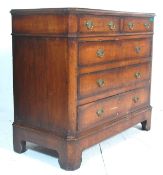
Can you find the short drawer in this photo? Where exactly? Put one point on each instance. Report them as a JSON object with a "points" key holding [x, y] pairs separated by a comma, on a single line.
{"points": [[101, 52], [112, 108], [91, 24], [132, 24], [95, 83]]}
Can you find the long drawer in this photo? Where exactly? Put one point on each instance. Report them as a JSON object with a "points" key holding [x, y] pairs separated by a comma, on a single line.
{"points": [[99, 82], [91, 53], [112, 108]]}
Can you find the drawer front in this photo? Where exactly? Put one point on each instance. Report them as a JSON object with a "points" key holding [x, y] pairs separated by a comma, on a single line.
{"points": [[100, 52], [91, 24], [99, 82], [138, 24], [112, 108]]}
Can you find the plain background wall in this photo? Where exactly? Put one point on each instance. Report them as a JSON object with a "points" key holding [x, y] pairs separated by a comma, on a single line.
{"points": [[6, 95]]}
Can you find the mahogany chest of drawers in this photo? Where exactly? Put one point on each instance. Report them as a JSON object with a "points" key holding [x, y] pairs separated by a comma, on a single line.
{"points": [[80, 76]]}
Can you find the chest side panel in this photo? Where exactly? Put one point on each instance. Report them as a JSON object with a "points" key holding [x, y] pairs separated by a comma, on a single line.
{"points": [[40, 82]]}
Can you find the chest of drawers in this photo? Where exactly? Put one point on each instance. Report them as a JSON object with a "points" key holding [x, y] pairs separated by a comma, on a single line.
{"points": [[80, 76]]}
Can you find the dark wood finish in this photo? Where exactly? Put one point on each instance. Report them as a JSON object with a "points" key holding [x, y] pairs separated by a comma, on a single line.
{"points": [[78, 11], [57, 22], [113, 79], [113, 92], [113, 107], [40, 82], [111, 65], [100, 24], [113, 50], [40, 24], [139, 24], [59, 102]]}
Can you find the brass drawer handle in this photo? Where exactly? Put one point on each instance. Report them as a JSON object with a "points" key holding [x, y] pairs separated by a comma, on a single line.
{"points": [[100, 112], [131, 25], [135, 99], [100, 82], [111, 25], [89, 25], [137, 75], [137, 49], [147, 25], [100, 53]]}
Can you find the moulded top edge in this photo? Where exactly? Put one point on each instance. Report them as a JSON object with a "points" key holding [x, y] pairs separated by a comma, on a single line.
{"points": [[84, 11]]}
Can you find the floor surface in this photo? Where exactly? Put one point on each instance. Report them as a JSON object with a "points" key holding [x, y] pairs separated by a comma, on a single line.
{"points": [[130, 153]]}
